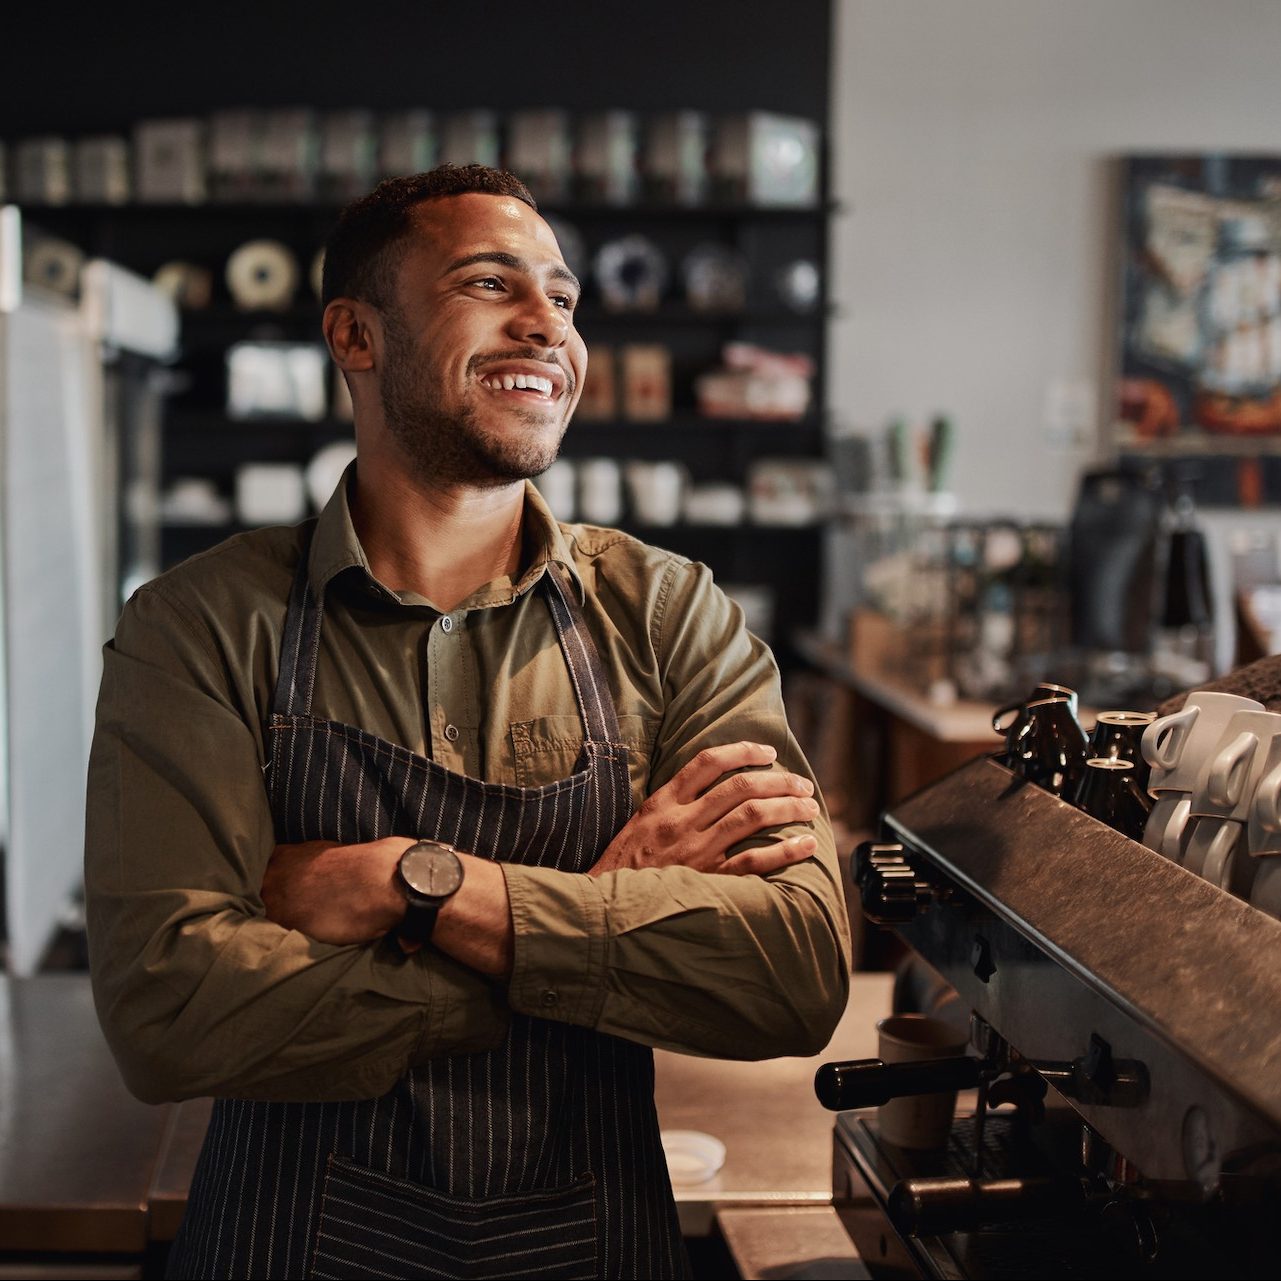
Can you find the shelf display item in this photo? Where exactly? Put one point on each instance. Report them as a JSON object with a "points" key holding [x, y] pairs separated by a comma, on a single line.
{"points": [[539, 150], [557, 486], [270, 493], [789, 491], [51, 263], [647, 382], [674, 160], [276, 380], [715, 504], [189, 285], [470, 138], [232, 156], [655, 491], [325, 469], [572, 247], [765, 159], [600, 491], [757, 603], [605, 159], [408, 143], [169, 161], [194, 500], [799, 286], [100, 171], [756, 383], [262, 275], [288, 155], [42, 171], [631, 273], [598, 402], [348, 154], [715, 278]]}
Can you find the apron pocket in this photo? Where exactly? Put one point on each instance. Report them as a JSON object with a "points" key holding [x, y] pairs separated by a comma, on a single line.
{"points": [[372, 1225]]}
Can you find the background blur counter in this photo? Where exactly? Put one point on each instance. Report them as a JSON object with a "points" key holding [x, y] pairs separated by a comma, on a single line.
{"points": [[93, 1183]]}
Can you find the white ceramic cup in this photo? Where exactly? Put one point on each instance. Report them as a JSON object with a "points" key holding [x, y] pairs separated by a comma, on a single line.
{"points": [[1167, 825], [600, 491], [1263, 835], [656, 491], [1229, 774], [1265, 893], [1175, 746], [1216, 852], [920, 1120], [557, 485]]}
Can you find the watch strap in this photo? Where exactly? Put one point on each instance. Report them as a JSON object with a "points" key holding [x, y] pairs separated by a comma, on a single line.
{"points": [[419, 922]]}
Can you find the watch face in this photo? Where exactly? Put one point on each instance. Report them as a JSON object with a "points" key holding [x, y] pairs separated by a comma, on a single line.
{"points": [[432, 870]]}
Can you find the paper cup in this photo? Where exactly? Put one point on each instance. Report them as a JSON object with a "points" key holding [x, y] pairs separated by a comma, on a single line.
{"points": [[921, 1120]]}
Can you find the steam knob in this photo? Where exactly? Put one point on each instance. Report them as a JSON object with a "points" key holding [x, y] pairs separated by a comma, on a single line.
{"points": [[890, 888]]}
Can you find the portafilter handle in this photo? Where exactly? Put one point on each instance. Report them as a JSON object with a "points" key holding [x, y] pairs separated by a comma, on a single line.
{"points": [[867, 1083]]}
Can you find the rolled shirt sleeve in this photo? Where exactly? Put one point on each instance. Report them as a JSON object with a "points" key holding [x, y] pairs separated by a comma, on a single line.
{"points": [[197, 991], [740, 967]]}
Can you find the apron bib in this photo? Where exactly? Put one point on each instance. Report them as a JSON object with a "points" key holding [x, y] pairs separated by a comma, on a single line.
{"points": [[540, 1158]]}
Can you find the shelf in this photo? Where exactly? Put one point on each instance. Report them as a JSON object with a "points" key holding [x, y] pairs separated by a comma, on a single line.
{"points": [[310, 209]]}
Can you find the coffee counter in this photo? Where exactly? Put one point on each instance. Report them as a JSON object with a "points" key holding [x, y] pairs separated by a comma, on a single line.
{"points": [[85, 1167]]}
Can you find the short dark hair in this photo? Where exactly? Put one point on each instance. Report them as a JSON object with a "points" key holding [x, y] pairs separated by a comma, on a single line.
{"points": [[361, 254]]}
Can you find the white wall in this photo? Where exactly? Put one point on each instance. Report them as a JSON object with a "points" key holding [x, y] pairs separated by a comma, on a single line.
{"points": [[972, 145]]}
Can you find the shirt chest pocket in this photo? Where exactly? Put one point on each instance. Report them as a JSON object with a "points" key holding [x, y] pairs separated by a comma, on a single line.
{"points": [[546, 749]]}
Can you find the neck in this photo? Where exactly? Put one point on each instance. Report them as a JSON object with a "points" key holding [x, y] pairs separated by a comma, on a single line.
{"points": [[441, 542]]}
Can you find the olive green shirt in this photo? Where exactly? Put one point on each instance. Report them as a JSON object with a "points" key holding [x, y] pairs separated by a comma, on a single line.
{"points": [[199, 993]]}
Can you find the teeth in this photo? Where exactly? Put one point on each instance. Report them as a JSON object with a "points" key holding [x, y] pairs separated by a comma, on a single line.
{"points": [[519, 382]]}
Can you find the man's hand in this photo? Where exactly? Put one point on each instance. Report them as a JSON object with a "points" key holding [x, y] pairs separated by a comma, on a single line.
{"points": [[695, 820], [336, 893]]}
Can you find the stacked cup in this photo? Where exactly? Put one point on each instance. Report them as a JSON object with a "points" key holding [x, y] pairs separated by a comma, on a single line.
{"points": [[1044, 742], [1216, 771], [1113, 788]]}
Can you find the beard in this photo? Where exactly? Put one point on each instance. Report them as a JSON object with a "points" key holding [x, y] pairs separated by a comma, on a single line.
{"points": [[451, 444]]}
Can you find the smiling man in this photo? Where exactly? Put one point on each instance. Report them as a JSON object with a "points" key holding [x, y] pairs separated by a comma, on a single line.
{"points": [[413, 827]]}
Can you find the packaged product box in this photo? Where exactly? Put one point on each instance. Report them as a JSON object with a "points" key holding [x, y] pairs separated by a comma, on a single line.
{"points": [[169, 161]]}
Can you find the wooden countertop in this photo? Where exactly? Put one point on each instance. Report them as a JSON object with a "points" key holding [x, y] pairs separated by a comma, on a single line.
{"points": [[85, 1166], [77, 1151]]}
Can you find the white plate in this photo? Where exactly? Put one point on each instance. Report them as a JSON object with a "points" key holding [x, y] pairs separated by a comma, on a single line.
{"points": [[692, 1156]]}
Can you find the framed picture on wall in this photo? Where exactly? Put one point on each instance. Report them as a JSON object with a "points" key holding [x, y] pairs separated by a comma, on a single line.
{"points": [[1201, 318]]}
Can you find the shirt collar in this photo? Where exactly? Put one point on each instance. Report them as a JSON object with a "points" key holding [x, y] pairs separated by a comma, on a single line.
{"points": [[335, 547]]}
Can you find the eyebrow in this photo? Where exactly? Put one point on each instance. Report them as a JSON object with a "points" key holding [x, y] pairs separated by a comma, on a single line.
{"points": [[516, 264]]}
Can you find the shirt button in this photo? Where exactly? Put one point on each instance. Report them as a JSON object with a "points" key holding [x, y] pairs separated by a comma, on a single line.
{"points": [[446, 623], [451, 733], [550, 998]]}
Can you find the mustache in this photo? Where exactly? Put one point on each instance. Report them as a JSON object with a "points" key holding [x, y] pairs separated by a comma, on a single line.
{"points": [[524, 353]]}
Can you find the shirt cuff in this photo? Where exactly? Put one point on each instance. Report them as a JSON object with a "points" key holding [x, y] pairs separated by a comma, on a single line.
{"points": [[561, 944]]}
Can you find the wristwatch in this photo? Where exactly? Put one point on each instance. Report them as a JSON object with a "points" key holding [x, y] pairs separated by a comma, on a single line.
{"points": [[430, 873]]}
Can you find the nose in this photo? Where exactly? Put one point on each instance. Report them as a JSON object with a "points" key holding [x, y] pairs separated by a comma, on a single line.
{"points": [[539, 322]]}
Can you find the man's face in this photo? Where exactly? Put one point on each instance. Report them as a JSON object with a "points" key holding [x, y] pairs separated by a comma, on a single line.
{"points": [[484, 303]]}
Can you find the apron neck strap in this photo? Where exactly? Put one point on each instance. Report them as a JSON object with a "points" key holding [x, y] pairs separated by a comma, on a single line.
{"points": [[300, 643], [586, 671]]}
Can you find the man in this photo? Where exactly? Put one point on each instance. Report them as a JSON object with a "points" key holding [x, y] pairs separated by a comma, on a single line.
{"points": [[412, 827]]}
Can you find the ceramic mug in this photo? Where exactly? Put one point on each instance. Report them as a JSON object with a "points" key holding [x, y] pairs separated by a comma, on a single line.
{"points": [[1229, 776], [1167, 825], [1265, 893], [1044, 690], [1216, 852], [1109, 792], [1119, 735], [1175, 745], [1047, 746], [1263, 835]]}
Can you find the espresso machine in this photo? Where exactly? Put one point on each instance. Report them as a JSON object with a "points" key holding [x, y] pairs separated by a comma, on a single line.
{"points": [[1124, 1055]]}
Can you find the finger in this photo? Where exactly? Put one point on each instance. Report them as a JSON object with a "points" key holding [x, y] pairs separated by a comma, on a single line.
{"points": [[769, 858], [751, 785], [755, 816], [712, 763]]}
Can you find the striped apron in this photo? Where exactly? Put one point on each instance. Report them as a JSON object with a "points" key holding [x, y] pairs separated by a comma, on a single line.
{"points": [[540, 1158]]}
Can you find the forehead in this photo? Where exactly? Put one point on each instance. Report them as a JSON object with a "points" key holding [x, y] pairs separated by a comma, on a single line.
{"points": [[455, 226]]}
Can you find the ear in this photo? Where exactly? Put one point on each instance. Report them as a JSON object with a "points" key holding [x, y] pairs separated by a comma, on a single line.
{"points": [[348, 334]]}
